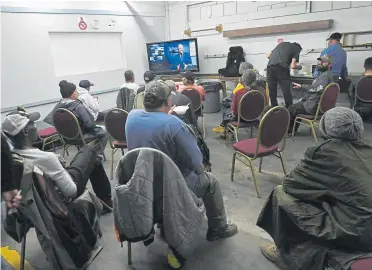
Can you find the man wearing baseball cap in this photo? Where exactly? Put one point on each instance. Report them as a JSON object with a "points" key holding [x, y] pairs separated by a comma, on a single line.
{"points": [[334, 49], [90, 102], [309, 103], [155, 128], [72, 180], [188, 80], [148, 77]]}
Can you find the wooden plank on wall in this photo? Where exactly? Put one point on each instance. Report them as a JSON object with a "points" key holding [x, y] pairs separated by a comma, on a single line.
{"points": [[276, 29]]}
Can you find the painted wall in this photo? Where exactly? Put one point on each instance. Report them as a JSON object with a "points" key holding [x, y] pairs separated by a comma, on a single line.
{"points": [[346, 16], [27, 66]]}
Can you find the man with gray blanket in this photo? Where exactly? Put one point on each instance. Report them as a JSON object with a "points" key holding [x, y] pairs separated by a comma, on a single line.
{"points": [[320, 217]]}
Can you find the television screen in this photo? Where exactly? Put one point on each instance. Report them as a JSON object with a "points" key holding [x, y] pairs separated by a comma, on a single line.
{"points": [[173, 56]]}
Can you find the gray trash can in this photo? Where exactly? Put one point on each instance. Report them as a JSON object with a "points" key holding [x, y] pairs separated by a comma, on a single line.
{"points": [[212, 96]]}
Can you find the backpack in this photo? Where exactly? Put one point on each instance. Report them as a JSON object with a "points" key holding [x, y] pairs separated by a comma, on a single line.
{"points": [[234, 58]]}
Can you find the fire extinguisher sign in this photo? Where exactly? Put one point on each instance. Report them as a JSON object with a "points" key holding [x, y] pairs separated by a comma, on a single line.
{"points": [[82, 24]]}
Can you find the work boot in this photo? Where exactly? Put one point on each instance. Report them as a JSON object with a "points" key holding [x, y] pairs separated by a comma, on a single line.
{"points": [[271, 252], [225, 232], [173, 262]]}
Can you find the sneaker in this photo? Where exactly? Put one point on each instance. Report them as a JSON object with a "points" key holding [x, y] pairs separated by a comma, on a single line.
{"points": [[107, 206], [271, 252], [173, 262], [218, 129], [225, 232]]}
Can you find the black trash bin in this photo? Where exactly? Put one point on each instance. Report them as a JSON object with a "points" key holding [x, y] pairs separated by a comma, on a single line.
{"points": [[212, 96]]}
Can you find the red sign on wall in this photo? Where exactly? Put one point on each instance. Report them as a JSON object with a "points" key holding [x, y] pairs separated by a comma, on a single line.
{"points": [[82, 24]]}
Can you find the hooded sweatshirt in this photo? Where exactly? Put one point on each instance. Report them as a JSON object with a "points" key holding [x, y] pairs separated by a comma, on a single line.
{"points": [[89, 102]]}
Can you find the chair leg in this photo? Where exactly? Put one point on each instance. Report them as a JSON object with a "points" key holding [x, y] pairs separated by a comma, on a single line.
{"points": [[314, 133], [203, 123], [236, 134], [282, 161], [122, 151], [129, 253], [112, 164], [293, 128], [260, 167], [233, 166], [251, 132], [254, 177], [23, 253], [104, 156]]}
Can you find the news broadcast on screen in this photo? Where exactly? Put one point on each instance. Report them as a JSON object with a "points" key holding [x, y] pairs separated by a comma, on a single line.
{"points": [[173, 56]]}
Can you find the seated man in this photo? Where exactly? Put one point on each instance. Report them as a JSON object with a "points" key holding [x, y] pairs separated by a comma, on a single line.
{"points": [[149, 76], [323, 210], [230, 108], [155, 128], [360, 106], [309, 103], [188, 80], [71, 181], [127, 92], [71, 102], [90, 102]]}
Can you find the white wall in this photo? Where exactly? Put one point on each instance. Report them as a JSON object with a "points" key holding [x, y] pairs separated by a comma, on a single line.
{"points": [[346, 16], [27, 65]]}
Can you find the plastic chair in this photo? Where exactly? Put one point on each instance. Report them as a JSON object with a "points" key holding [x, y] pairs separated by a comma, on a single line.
{"points": [[115, 126], [363, 91], [327, 101], [251, 107], [68, 127], [271, 132], [197, 103]]}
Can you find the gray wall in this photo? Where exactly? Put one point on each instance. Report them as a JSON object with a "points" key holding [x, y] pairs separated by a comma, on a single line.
{"points": [[347, 16], [26, 57]]}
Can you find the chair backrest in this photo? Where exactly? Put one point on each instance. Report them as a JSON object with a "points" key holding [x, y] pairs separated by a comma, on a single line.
{"points": [[273, 127], [251, 105], [67, 125], [195, 98], [363, 89], [328, 98], [115, 124]]}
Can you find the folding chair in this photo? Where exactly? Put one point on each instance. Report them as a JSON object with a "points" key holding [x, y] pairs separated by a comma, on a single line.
{"points": [[48, 136], [327, 101], [68, 127], [271, 132], [197, 103], [115, 126], [251, 107], [363, 91]]}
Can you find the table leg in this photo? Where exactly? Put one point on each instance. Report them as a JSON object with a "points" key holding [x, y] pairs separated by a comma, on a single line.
{"points": [[224, 89]]}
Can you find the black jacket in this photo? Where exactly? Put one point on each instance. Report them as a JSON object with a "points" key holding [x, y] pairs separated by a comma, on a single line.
{"points": [[7, 182], [85, 118]]}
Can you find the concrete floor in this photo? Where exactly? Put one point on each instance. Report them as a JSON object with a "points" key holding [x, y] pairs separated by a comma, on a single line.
{"points": [[243, 207]]}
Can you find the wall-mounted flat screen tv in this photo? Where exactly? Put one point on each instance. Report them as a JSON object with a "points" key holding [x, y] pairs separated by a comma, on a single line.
{"points": [[173, 56]]}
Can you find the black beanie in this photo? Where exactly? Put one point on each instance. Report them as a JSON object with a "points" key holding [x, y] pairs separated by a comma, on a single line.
{"points": [[66, 88]]}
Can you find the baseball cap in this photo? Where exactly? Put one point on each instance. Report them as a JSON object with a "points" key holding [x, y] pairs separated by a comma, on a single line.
{"points": [[326, 58], [188, 75], [335, 36], [157, 91], [85, 84], [16, 121], [149, 76]]}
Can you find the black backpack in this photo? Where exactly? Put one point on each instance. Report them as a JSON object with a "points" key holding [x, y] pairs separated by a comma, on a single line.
{"points": [[234, 58]]}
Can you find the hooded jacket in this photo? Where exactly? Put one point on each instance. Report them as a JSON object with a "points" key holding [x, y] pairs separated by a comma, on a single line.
{"points": [[84, 117], [89, 102]]}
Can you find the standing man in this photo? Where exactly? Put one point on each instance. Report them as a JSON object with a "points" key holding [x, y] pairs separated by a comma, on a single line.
{"points": [[334, 49], [285, 56], [182, 59]]}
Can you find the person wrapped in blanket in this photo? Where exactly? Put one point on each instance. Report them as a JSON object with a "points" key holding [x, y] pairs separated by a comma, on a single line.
{"points": [[189, 118], [229, 105], [320, 217]]}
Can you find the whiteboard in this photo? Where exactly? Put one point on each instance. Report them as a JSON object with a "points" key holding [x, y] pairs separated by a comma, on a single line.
{"points": [[76, 53]]}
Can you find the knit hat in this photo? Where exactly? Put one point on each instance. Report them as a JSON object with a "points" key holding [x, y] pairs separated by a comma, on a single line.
{"points": [[244, 66], [341, 123], [248, 77], [66, 88]]}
